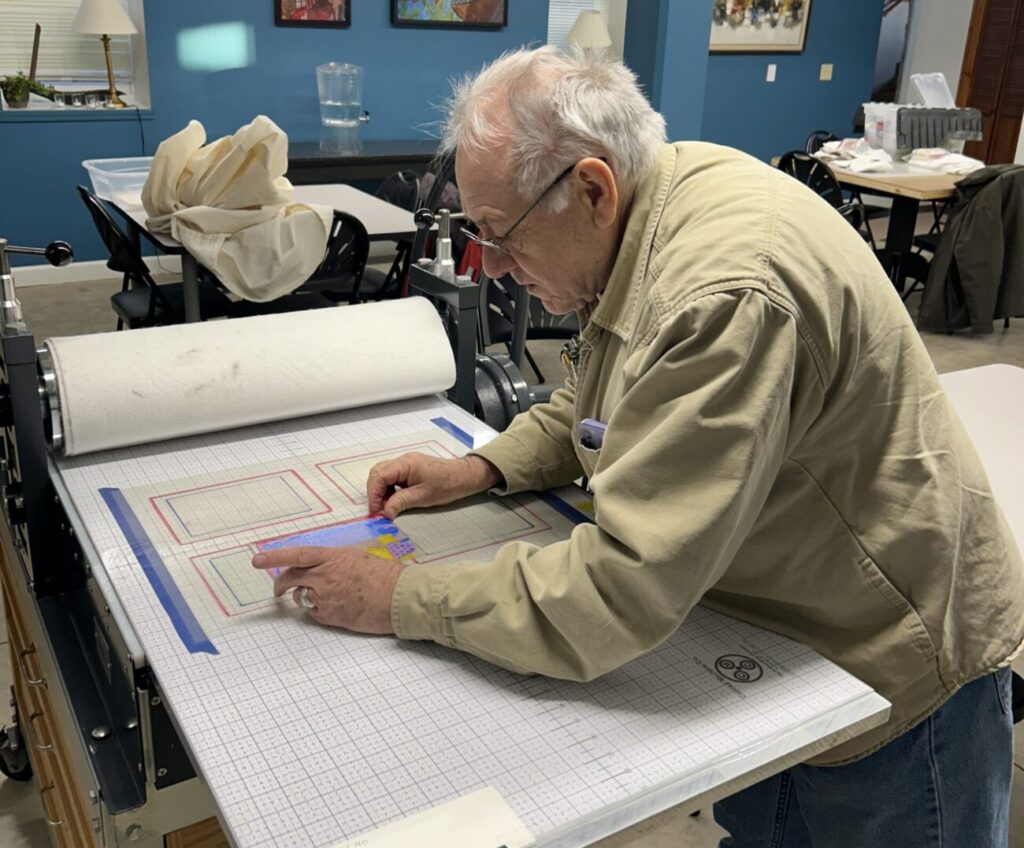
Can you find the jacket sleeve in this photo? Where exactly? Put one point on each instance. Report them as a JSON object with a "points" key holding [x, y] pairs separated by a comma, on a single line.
{"points": [[535, 452], [979, 258], [689, 456]]}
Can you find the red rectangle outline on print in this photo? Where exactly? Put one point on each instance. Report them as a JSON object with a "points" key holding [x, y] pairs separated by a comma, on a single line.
{"points": [[327, 507], [540, 529], [213, 591], [403, 448]]}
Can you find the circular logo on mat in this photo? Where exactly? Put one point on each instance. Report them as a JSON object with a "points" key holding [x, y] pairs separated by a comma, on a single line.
{"points": [[738, 668]]}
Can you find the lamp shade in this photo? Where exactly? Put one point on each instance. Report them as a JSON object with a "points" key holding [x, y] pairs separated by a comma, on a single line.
{"points": [[102, 17], [589, 31]]}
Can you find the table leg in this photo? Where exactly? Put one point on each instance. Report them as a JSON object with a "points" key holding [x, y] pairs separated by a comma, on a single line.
{"points": [[190, 287], [899, 238]]}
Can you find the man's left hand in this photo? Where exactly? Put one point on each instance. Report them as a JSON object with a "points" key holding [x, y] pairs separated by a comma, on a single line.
{"points": [[350, 588]]}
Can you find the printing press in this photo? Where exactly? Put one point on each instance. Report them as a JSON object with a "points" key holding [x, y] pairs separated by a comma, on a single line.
{"points": [[162, 697]]}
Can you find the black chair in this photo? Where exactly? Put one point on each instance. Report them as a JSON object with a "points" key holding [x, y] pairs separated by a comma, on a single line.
{"points": [[854, 214], [401, 189], [142, 302], [817, 176], [342, 273], [498, 320], [337, 279], [816, 140]]}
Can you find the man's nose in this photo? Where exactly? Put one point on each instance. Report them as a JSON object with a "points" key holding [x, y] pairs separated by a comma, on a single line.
{"points": [[497, 263]]}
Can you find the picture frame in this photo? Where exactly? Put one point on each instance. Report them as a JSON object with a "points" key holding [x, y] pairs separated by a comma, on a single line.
{"points": [[450, 14], [333, 14], [759, 26]]}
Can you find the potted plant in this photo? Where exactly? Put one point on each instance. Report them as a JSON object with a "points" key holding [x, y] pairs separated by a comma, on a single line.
{"points": [[16, 89]]}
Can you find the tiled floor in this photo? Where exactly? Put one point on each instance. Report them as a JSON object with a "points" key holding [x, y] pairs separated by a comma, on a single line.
{"points": [[84, 308]]}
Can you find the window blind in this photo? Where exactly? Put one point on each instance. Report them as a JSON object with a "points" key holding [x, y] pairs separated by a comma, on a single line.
{"points": [[63, 54], [562, 15]]}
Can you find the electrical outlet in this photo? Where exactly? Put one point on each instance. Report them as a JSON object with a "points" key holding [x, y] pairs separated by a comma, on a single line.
{"points": [[826, 73], [770, 76]]}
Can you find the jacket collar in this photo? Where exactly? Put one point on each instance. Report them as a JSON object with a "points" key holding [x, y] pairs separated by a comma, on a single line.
{"points": [[614, 311]]}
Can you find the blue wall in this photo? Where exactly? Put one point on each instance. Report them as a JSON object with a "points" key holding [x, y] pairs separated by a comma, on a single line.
{"points": [[767, 119], [666, 46], [407, 72]]}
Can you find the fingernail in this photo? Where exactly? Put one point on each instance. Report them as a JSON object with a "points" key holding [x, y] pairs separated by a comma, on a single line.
{"points": [[259, 560]]}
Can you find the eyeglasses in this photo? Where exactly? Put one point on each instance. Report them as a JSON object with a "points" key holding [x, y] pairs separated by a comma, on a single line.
{"points": [[496, 243]]}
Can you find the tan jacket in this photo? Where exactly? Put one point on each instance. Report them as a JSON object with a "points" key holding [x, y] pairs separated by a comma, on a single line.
{"points": [[777, 447]]}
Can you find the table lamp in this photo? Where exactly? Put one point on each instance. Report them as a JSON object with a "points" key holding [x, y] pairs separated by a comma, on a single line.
{"points": [[589, 31], [104, 18]]}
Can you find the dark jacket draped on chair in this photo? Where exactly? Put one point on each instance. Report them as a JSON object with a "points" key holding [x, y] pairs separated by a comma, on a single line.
{"points": [[977, 274]]}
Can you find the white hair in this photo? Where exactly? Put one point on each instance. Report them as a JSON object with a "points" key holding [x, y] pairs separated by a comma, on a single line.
{"points": [[548, 109]]}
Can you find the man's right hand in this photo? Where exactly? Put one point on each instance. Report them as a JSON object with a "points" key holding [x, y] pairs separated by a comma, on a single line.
{"points": [[418, 480]]}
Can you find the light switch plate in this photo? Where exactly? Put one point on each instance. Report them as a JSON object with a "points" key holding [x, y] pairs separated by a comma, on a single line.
{"points": [[770, 76], [826, 73]]}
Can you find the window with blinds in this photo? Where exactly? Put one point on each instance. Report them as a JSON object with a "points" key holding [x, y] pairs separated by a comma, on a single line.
{"points": [[562, 15], [63, 54]]}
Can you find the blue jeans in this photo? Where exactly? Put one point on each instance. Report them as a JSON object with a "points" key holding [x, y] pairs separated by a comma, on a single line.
{"points": [[943, 784]]}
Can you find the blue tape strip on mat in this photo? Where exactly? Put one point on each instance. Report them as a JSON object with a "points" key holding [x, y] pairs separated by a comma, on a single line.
{"points": [[566, 509], [457, 432], [167, 591]]}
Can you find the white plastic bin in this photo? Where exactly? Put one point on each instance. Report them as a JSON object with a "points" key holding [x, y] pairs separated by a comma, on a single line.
{"points": [[880, 125], [119, 180]]}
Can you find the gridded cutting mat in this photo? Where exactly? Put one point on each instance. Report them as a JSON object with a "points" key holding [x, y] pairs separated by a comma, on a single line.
{"points": [[312, 736]]}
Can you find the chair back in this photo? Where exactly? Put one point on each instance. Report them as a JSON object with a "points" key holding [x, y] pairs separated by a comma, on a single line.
{"points": [[816, 140], [853, 213], [123, 252], [344, 262], [401, 189], [442, 172], [817, 176]]}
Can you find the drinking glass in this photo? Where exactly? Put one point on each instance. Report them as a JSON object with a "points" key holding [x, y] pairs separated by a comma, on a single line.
{"points": [[92, 101]]}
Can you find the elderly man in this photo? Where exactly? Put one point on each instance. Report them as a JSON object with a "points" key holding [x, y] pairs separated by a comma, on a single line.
{"points": [[777, 446]]}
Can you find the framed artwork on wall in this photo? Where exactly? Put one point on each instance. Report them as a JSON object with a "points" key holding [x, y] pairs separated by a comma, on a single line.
{"points": [[456, 14], [759, 26], [313, 13]]}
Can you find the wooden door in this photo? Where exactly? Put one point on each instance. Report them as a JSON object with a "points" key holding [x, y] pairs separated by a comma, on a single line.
{"points": [[992, 78]]}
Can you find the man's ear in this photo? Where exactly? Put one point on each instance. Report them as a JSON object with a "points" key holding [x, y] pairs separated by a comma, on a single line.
{"points": [[601, 190]]}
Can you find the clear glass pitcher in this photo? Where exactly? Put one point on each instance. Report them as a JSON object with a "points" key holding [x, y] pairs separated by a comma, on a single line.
{"points": [[340, 86]]}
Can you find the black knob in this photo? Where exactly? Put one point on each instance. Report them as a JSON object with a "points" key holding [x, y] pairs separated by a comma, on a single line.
{"points": [[59, 253], [424, 219]]}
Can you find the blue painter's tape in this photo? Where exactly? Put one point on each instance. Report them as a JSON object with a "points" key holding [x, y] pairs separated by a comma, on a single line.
{"points": [[167, 591], [566, 509], [451, 428]]}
